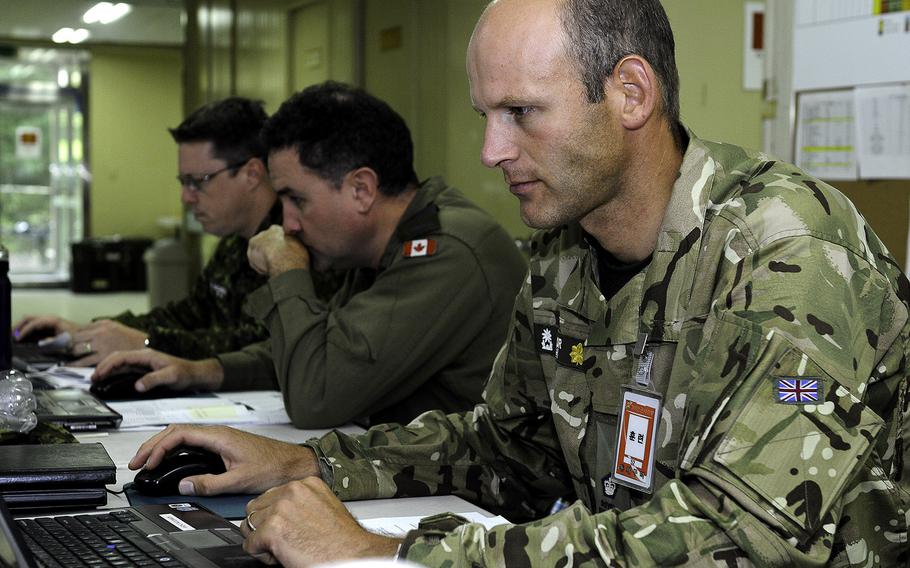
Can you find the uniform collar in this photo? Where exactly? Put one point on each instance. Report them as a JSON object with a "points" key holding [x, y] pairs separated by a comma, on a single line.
{"points": [[662, 290], [420, 218]]}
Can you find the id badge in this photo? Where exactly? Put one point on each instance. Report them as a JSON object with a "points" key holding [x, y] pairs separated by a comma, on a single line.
{"points": [[636, 439]]}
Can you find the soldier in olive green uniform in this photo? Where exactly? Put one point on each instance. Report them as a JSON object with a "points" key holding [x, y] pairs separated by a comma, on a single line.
{"points": [[707, 364], [378, 344], [211, 319], [423, 311]]}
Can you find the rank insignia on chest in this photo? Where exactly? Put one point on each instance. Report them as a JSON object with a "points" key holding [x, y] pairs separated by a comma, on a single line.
{"points": [[546, 336], [792, 390], [570, 352], [419, 247]]}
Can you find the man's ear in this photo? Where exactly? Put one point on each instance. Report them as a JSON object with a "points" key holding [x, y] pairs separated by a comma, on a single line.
{"points": [[255, 171], [637, 84], [363, 185]]}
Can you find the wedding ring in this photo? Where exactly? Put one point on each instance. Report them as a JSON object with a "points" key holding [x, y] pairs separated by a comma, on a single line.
{"points": [[249, 521], [87, 347]]}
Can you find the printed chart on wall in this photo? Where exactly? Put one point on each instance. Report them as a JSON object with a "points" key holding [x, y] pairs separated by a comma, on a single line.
{"points": [[883, 127], [825, 135]]}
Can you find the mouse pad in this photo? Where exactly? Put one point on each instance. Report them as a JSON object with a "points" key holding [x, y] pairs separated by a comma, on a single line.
{"points": [[231, 507]]}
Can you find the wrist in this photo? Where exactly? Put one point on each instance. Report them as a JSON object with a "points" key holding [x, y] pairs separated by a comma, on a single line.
{"points": [[209, 374]]}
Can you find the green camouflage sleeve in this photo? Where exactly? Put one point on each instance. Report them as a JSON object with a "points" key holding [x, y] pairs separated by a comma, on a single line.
{"points": [[773, 483], [388, 333], [504, 456], [210, 320]]}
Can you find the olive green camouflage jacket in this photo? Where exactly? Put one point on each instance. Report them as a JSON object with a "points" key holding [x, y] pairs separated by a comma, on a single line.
{"points": [[210, 320], [761, 275]]}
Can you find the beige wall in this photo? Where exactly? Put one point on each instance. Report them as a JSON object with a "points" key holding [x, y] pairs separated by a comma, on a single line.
{"points": [[134, 94]]}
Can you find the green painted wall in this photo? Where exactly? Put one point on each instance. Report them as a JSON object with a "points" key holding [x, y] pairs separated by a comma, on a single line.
{"points": [[424, 79], [134, 95], [423, 76], [709, 54]]}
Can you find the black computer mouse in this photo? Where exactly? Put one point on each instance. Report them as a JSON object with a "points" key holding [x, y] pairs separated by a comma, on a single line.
{"points": [[182, 461], [121, 386]]}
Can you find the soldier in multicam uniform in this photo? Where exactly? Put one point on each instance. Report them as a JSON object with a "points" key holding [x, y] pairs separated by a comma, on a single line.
{"points": [[224, 180], [709, 354]]}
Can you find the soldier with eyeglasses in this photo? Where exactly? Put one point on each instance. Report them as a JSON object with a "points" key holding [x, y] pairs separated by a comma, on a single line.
{"points": [[224, 182]]}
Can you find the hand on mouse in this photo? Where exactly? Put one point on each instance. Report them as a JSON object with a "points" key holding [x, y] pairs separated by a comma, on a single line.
{"points": [[254, 463], [166, 370]]}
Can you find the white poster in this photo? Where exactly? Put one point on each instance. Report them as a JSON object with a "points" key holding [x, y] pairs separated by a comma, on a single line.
{"points": [[825, 135], [883, 131]]}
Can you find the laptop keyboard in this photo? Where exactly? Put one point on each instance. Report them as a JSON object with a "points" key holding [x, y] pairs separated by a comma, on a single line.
{"points": [[92, 540]]}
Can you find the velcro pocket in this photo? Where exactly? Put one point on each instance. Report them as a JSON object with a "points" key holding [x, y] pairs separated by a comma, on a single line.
{"points": [[798, 438]]}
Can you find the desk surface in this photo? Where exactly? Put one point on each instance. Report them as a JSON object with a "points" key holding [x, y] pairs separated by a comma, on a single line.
{"points": [[122, 446]]}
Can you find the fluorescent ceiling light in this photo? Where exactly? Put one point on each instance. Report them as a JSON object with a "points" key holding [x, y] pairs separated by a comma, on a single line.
{"points": [[69, 35], [106, 12]]}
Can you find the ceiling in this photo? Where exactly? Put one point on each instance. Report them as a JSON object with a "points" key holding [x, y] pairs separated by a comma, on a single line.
{"points": [[156, 22]]}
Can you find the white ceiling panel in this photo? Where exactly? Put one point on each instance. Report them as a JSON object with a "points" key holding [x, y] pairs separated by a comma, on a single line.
{"points": [[156, 22]]}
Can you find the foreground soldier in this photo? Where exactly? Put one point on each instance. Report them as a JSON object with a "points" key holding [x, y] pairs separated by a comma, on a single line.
{"points": [[709, 355]]}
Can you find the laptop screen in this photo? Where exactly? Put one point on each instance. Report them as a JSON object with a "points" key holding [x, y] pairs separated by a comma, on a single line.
{"points": [[12, 550]]}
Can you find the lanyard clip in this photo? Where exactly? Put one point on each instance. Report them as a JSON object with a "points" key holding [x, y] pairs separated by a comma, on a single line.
{"points": [[640, 344]]}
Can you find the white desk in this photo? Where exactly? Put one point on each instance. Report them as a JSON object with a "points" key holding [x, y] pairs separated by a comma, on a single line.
{"points": [[122, 446]]}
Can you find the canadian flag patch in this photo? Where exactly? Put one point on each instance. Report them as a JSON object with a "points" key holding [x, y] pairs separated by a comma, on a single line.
{"points": [[419, 247]]}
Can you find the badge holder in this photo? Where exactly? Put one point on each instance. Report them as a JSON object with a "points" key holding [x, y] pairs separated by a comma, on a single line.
{"points": [[636, 439]]}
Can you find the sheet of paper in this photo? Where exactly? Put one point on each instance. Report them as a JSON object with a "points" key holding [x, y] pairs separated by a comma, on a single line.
{"points": [[266, 407], [185, 410], [69, 377], [883, 126], [398, 526], [252, 407], [825, 135]]}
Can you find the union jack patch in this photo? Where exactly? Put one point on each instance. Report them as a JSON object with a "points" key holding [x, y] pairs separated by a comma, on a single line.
{"points": [[791, 390]]}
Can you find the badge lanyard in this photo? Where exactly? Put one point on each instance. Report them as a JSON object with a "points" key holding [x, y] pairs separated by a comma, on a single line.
{"points": [[636, 434]]}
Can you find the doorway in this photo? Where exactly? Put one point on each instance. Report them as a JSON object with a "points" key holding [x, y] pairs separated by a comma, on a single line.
{"points": [[43, 176]]}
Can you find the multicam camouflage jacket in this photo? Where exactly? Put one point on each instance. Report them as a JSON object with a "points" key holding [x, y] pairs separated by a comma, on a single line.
{"points": [[761, 275], [210, 320]]}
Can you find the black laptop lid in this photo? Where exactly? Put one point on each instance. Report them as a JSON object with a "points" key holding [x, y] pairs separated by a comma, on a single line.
{"points": [[76, 409]]}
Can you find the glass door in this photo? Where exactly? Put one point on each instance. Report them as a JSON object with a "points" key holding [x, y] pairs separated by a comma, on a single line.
{"points": [[42, 173]]}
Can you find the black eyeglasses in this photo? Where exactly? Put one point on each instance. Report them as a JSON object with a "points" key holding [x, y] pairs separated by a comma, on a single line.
{"points": [[196, 183]]}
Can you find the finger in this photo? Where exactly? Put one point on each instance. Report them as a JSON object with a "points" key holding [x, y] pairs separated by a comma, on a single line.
{"points": [[119, 359], [87, 361], [152, 450], [166, 376], [33, 326], [213, 484], [142, 456]]}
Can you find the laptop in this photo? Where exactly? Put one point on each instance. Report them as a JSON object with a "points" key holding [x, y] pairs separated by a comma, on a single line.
{"points": [[75, 409], [29, 356], [179, 534]]}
